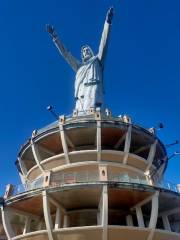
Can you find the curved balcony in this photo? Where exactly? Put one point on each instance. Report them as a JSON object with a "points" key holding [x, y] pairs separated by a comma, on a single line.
{"points": [[94, 175], [86, 157], [91, 139], [120, 210]]}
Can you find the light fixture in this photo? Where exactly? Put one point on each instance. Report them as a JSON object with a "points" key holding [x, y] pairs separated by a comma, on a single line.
{"points": [[153, 130], [50, 109], [172, 144], [174, 155]]}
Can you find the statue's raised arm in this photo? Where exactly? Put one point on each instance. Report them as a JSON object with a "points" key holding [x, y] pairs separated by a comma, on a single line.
{"points": [[105, 35], [73, 62]]}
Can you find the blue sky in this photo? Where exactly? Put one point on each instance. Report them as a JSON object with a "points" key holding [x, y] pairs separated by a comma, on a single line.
{"points": [[142, 69]]}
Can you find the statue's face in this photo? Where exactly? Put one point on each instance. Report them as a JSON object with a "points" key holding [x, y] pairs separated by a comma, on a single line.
{"points": [[86, 53]]}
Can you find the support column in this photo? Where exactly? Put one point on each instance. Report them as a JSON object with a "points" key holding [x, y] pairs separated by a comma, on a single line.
{"points": [[103, 216], [58, 218], [47, 215], [64, 143], [22, 167], [6, 223], [129, 220], [160, 171], [98, 218], [66, 221], [148, 178], [154, 215], [27, 225], [151, 154], [127, 144], [140, 218], [36, 155], [98, 140], [120, 141], [166, 223], [154, 210]]}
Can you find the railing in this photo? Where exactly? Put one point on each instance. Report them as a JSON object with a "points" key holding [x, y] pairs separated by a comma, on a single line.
{"points": [[83, 115], [61, 179], [74, 177], [38, 183], [169, 186]]}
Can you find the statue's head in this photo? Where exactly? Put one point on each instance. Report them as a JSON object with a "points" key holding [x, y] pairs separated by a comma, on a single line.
{"points": [[86, 53]]}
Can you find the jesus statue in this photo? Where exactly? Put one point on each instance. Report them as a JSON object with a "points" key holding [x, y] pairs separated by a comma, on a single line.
{"points": [[89, 72]]}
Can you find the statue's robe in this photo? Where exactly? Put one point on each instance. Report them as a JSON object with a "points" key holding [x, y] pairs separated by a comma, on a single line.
{"points": [[89, 85]]}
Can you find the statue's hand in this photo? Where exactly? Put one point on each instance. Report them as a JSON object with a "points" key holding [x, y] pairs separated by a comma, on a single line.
{"points": [[109, 15], [50, 29]]}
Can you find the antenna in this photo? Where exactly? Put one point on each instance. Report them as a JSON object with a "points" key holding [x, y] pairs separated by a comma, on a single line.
{"points": [[50, 109]]}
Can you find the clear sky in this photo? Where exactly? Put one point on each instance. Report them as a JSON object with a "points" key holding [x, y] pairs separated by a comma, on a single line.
{"points": [[142, 69]]}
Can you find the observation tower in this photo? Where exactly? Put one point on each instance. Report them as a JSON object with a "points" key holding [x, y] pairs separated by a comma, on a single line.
{"points": [[91, 175]]}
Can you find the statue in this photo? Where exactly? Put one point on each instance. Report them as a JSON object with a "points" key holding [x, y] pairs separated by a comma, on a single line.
{"points": [[89, 73]]}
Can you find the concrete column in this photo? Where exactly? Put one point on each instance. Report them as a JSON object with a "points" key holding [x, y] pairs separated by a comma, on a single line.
{"points": [[66, 221], [154, 211], [27, 225], [99, 214], [22, 167], [6, 223], [129, 220], [127, 144], [151, 154], [104, 212], [58, 218], [64, 143], [98, 140], [148, 178], [160, 171], [47, 215], [120, 141], [36, 155], [154, 215], [98, 218], [140, 218], [105, 206], [166, 223]]}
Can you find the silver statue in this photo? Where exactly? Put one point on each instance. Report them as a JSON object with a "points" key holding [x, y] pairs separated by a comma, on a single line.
{"points": [[89, 72]]}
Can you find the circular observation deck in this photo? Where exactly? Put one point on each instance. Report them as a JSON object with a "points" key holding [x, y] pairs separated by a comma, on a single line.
{"points": [[92, 177], [99, 210], [81, 143]]}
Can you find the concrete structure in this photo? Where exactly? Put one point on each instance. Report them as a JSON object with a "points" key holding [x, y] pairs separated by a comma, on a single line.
{"points": [[92, 177]]}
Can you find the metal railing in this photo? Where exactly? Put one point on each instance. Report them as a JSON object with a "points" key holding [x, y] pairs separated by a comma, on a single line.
{"points": [[74, 177], [61, 179], [125, 178], [20, 188], [168, 185]]}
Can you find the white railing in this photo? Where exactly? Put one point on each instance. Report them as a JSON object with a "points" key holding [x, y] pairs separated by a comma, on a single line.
{"points": [[20, 188], [61, 179]]}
